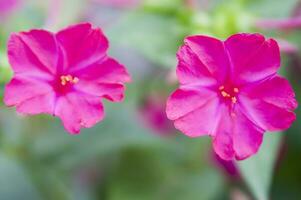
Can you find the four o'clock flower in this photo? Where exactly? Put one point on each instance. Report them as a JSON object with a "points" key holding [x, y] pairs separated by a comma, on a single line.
{"points": [[65, 74], [230, 91]]}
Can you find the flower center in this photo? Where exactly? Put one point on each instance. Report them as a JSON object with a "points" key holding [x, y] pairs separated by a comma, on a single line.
{"points": [[229, 94], [68, 79]]}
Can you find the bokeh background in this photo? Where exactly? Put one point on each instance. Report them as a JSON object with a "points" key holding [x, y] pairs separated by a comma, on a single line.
{"points": [[135, 153]]}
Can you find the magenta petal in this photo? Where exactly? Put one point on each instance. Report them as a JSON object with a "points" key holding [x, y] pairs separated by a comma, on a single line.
{"points": [[247, 137], [236, 136], [253, 58], [276, 90], [20, 89], [107, 71], [82, 45], [111, 91], [191, 70], [33, 53], [44, 103], [270, 104], [78, 111], [211, 54], [199, 122], [223, 134], [183, 101]]}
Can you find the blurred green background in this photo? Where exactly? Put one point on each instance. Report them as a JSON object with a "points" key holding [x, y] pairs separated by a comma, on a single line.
{"points": [[135, 153]]}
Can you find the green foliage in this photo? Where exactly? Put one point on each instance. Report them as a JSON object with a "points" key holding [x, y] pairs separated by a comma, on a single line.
{"points": [[157, 37], [14, 180], [258, 170]]}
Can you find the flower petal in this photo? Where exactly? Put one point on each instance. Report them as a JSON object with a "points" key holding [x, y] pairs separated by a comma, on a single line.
{"points": [[270, 104], [34, 53], [200, 57], [223, 136], [199, 122], [20, 89], [236, 137], [247, 136], [82, 45], [253, 58], [90, 112], [44, 103], [184, 101], [111, 91], [108, 71], [191, 70]]}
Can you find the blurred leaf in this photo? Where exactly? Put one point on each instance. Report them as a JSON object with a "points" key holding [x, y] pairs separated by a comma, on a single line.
{"points": [[257, 171], [205, 184], [62, 13], [152, 175], [5, 70], [156, 36], [231, 18], [272, 8], [119, 130], [163, 6], [15, 182]]}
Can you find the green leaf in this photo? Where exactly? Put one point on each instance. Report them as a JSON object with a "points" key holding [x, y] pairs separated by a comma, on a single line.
{"points": [[15, 181], [119, 130], [257, 171], [157, 37], [272, 8]]}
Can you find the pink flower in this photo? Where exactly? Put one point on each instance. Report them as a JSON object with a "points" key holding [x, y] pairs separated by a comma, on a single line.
{"points": [[285, 24], [153, 114], [7, 5], [231, 91], [65, 74]]}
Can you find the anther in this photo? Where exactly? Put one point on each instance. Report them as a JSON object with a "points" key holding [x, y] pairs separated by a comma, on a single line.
{"points": [[234, 100], [225, 94], [236, 90], [75, 80], [68, 78], [221, 87]]}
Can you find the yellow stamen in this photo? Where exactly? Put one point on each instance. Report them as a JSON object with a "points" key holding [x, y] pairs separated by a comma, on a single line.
{"points": [[225, 94], [234, 100], [68, 78], [75, 80]]}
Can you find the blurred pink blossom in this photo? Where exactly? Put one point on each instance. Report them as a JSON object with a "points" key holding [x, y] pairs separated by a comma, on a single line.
{"points": [[119, 3], [65, 74], [228, 167], [7, 6], [230, 91], [285, 24], [152, 112], [286, 46]]}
